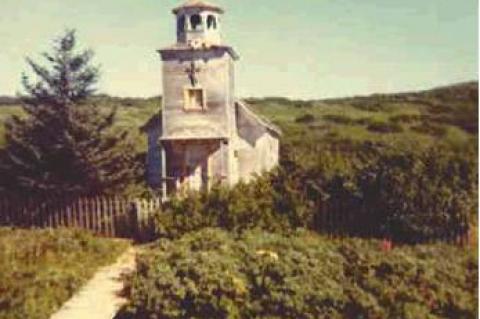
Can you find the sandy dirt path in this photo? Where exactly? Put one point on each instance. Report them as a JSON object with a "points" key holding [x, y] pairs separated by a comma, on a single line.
{"points": [[100, 298]]}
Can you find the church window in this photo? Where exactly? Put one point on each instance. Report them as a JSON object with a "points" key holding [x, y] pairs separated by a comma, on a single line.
{"points": [[211, 22], [181, 24], [196, 22], [194, 99]]}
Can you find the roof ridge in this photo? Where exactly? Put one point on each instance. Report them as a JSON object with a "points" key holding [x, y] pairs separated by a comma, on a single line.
{"points": [[264, 121]]}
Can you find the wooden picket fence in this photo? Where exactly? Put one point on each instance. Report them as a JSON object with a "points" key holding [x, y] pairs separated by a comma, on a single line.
{"points": [[337, 219], [132, 217], [106, 216]]}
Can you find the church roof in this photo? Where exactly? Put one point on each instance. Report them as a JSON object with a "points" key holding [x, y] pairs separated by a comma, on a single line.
{"points": [[198, 4], [260, 120]]}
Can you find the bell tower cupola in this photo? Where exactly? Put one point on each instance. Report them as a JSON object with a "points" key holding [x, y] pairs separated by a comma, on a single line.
{"points": [[198, 24]]}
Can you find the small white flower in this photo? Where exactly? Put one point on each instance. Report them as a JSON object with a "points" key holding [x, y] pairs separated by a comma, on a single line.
{"points": [[267, 253]]}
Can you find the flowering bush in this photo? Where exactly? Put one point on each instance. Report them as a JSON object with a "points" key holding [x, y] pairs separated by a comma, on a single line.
{"points": [[212, 274]]}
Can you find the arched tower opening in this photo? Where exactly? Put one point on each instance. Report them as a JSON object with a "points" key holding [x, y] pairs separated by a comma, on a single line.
{"points": [[198, 23]]}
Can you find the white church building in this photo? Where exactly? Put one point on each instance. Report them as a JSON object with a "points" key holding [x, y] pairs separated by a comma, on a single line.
{"points": [[204, 134]]}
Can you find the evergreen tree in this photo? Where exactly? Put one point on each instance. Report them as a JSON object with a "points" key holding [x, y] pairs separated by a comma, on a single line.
{"points": [[65, 145]]}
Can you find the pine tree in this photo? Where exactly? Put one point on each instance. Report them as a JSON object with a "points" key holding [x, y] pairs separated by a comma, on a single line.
{"points": [[65, 144]]}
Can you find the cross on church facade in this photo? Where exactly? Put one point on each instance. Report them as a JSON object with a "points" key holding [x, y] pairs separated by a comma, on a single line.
{"points": [[192, 72]]}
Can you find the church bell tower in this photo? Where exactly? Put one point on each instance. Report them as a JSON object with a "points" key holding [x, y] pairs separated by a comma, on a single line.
{"points": [[198, 24], [198, 111]]}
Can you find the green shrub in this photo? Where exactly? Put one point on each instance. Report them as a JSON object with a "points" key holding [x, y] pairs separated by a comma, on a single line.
{"points": [[41, 269], [418, 197], [212, 274], [405, 118], [369, 104], [384, 127], [410, 197], [243, 207], [430, 129], [306, 118], [338, 119], [304, 104]]}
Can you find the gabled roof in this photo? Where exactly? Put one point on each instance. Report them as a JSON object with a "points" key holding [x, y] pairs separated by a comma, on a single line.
{"points": [[198, 4], [243, 107]]}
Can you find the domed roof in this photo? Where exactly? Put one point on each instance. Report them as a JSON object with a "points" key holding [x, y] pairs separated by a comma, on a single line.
{"points": [[198, 4]]}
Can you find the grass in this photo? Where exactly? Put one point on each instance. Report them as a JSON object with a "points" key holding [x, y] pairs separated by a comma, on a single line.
{"points": [[389, 121], [41, 269]]}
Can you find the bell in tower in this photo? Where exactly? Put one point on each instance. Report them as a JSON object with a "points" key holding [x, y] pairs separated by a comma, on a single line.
{"points": [[198, 23]]}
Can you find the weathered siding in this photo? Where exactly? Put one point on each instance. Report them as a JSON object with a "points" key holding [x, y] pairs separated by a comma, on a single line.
{"points": [[213, 77], [257, 145]]}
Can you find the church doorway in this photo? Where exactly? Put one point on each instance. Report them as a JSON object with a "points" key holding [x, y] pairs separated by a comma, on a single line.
{"points": [[197, 167]]}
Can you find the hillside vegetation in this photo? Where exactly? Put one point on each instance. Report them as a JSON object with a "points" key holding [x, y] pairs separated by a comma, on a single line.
{"points": [[408, 120], [448, 114]]}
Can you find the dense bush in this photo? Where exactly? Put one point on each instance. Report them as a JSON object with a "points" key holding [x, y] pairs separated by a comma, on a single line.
{"points": [[410, 197], [405, 118], [385, 127], [338, 119], [418, 197], [243, 207], [211, 274], [430, 129], [41, 269], [306, 118]]}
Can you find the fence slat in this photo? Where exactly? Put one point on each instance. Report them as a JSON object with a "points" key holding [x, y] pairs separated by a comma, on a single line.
{"points": [[84, 212], [112, 217], [98, 214]]}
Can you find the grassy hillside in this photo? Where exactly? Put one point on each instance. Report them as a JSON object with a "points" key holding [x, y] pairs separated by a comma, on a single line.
{"points": [[446, 114]]}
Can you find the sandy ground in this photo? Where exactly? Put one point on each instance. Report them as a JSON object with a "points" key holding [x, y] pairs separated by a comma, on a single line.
{"points": [[100, 298]]}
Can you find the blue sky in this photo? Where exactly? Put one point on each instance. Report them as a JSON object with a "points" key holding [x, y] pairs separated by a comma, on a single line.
{"points": [[293, 48]]}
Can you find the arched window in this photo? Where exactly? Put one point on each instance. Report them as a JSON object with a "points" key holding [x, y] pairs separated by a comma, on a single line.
{"points": [[181, 24], [196, 22], [211, 22]]}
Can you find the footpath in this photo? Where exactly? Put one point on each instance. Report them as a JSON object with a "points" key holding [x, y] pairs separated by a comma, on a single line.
{"points": [[101, 297]]}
